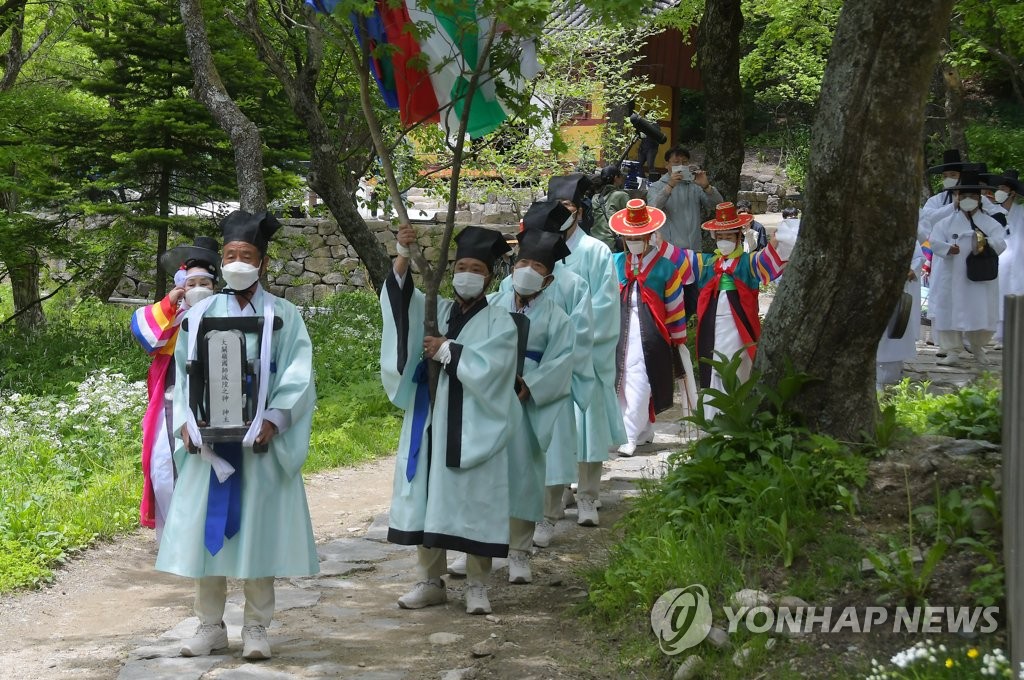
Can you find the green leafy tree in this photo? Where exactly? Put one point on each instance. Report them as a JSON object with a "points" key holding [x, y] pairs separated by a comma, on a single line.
{"points": [[787, 46], [988, 39]]}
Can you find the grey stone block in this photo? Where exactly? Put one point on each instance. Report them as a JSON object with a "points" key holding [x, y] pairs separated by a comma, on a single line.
{"points": [[178, 668]]}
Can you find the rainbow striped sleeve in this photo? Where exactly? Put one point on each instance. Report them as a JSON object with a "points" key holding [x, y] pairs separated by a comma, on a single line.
{"points": [[684, 261], [675, 309], [155, 327], [767, 264]]}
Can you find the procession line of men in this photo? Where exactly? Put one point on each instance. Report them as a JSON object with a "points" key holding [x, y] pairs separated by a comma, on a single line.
{"points": [[532, 382], [572, 358], [973, 232]]}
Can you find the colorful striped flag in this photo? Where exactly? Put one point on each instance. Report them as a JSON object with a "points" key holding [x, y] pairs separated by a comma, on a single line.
{"points": [[449, 53]]}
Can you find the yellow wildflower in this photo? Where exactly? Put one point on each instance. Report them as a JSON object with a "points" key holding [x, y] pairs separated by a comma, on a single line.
{"points": [[949, 663], [972, 653]]}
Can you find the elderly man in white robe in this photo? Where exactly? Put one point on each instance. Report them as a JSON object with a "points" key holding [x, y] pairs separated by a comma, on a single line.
{"points": [[964, 300]]}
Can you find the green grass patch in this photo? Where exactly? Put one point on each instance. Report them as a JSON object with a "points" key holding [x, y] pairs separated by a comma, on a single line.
{"points": [[752, 504], [972, 412], [72, 396]]}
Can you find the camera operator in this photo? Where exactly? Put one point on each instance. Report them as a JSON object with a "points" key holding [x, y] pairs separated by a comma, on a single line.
{"points": [[609, 199]]}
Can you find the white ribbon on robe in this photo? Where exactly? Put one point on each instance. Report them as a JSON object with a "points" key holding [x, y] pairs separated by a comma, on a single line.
{"points": [[221, 467]]}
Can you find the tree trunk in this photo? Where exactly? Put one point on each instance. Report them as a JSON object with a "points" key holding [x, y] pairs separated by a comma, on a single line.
{"points": [[209, 89], [858, 230], [103, 285], [24, 277], [718, 56], [327, 182], [955, 109], [160, 285], [327, 172]]}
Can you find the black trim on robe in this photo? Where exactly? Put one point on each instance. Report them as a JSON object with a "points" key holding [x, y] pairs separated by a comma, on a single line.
{"points": [[405, 537], [457, 320], [658, 353], [468, 546], [400, 297]]}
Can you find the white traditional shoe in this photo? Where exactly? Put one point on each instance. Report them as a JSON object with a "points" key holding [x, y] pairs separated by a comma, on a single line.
{"points": [[568, 497], [981, 355], [519, 567], [458, 566], [627, 449], [208, 638], [543, 533], [998, 346], [965, 355], [948, 360], [255, 644], [647, 436], [587, 508], [424, 594], [476, 600]]}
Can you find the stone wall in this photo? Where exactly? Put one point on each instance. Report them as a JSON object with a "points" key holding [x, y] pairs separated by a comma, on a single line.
{"points": [[767, 193], [310, 259]]}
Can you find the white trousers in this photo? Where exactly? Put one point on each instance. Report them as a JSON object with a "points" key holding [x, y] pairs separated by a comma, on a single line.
{"points": [[212, 593], [953, 341], [728, 342], [635, 390], [432, 563], [161, 474]]}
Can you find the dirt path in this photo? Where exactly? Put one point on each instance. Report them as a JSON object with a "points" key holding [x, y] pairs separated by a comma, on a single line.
{"points": [[110, 615]]}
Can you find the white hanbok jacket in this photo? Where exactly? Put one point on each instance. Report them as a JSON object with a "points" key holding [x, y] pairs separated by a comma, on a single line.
{"points": [[956, 303]]}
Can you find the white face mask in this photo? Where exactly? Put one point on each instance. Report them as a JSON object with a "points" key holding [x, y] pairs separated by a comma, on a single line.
{"points": [[527, 281], [240, 275], [193, 296], [949, 182], [726, 247], [636, 247], [968, 204], [468, 285], [1001, 196], [568, 223]]}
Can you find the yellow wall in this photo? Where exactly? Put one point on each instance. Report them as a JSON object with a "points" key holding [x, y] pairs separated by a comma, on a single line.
{"points": [[577, 135]]}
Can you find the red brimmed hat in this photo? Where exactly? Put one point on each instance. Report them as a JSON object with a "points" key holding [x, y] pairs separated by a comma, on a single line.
{"points": [[726, 219], [636, 219]]}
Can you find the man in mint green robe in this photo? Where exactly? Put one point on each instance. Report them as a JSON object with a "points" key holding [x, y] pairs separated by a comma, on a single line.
{"points": [[546, 415], [600, 425], [274, 536], [451, 475]]}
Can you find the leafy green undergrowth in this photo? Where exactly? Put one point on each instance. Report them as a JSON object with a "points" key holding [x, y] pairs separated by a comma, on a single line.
{"points": [[972, 412], [746, 506], [761, 502], [72, 398]]}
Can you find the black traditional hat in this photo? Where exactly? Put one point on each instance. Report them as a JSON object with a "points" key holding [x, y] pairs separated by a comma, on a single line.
{"points": [[545, 247], [571, 187], [485, 245], [256, 229], [970, 180], [950, 161], [1009, 178], [203, 253], [546, 216]]}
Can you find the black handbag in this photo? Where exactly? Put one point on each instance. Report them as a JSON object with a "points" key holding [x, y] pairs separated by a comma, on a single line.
{"points": [[901, 316], [983, 266]]}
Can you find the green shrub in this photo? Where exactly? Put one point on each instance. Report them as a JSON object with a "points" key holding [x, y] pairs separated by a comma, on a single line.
{"points": [[747, 495], [972, 412]]}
